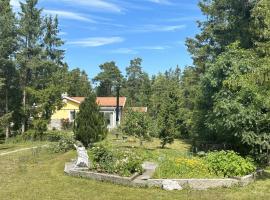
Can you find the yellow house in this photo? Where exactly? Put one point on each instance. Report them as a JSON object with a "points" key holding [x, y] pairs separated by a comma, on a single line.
{"points": [[72, 104]]}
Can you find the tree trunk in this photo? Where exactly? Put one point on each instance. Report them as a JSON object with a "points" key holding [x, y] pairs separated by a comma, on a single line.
{"points": [[7, 132], [6, 109], [24, 110]]}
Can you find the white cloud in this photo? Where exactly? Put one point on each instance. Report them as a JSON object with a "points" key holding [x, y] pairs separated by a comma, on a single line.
{"points": [[69, 15], [124, 51], [161, 1], [96, 41], [98, 4], [136, 50], [181, 19], [158, 28], [154, 47]]}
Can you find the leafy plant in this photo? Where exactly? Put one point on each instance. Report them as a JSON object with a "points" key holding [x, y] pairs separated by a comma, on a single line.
{"points": [[63, 145], [123, 163], [183, 167], [40, 127], [228, 164]]}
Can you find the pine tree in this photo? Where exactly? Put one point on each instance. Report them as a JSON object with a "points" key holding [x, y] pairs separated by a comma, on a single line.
{"points": [[30, 32], [108, 79], [89, 123], [78, 83], [52, 41], [8, 73]]}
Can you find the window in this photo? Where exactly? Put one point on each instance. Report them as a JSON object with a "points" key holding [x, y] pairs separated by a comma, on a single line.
{"points": [[72, 115]]}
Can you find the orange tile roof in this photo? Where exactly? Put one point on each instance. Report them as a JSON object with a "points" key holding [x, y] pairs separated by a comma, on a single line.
{"points": [[103, 101]]}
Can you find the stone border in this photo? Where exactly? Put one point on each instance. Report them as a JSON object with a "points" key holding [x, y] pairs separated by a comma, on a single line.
{"points": [[71, 170], [140, 181]]}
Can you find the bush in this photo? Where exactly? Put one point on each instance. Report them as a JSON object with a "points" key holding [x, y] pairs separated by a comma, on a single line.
{"points": [[229, 164], [40, 127], [65, 144], [51, 136], [55, 136], [123, 163], [66, 124], [136, 124]]}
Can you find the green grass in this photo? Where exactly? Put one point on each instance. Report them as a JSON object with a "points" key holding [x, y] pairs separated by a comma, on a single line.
{"points": [[37, 174], [10, 146]]}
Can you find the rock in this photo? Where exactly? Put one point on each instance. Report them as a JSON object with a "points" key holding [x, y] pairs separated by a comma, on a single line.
{"points": [[82, 159], [171, 185]]}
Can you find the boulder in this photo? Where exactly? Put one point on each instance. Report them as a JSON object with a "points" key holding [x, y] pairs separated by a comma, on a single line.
{"points": [[171, 185]]}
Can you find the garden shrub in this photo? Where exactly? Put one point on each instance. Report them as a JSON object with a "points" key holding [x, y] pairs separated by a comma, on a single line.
{"points": [[66, 124], [103, 159], [55, 136], [65, 144], [136, 124], [124, 163], [228, 164], [40, 127]]}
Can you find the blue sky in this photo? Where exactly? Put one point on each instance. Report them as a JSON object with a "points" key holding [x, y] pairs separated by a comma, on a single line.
{"points": [[96, 31]]}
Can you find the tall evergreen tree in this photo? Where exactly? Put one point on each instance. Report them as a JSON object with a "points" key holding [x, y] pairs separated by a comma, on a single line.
{"points": [[108, 79], [30, 32], [89, 124], [78, 83], [8, 73], [137, 85], [52, 42]]}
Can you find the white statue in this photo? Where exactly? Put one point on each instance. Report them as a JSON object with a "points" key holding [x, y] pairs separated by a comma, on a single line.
{"points": [[83, 159]]}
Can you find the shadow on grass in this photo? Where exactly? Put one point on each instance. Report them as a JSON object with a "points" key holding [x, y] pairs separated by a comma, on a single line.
{"points": [[264, 176], [136, 147]]}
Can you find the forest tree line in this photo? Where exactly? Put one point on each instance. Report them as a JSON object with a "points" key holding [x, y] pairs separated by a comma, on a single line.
{"points": [[33, 74], [222, 98]]}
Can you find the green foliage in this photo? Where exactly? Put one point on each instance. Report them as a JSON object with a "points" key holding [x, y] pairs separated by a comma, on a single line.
{"points": [[231, 57], [136, 124], [40, 127], [137, 85], [89, 123], [55, 136], [66, 124], [183, 168], [229, 164], [108, 79], [78, 83], [124, 163], [65, 144]]}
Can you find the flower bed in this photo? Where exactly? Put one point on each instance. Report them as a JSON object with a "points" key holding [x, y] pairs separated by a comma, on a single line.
{"points": [[124, 163], [213, 165]]}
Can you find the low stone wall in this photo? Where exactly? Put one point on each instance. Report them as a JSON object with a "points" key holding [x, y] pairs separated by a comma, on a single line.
{"points": [[137, 181], [197, 184], [85, 173]]}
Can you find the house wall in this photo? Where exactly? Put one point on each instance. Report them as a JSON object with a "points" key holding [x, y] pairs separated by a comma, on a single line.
{"points": [[64, 112]]}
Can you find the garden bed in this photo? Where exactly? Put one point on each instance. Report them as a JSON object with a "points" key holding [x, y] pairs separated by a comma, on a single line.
{"points": [[135, 180], [71, 170]]}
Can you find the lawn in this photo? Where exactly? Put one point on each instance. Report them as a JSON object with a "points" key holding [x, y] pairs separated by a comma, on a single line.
{"points": [[38, 174], [6, 147]]}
